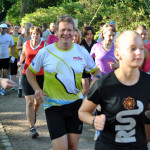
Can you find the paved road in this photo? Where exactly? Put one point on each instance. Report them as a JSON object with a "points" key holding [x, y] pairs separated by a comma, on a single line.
{"points": [[13, 119]]}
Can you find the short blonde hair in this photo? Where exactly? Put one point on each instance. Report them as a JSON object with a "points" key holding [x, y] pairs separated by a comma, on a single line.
{"points": [[122, 34]]}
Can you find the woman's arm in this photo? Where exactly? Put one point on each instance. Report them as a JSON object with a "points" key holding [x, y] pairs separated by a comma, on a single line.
{"points": [[19, 43], [85, 115], [22, 56], [33, 82]]}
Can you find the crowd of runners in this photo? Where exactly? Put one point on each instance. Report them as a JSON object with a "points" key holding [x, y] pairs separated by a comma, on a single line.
{"points": [[78, 78]]}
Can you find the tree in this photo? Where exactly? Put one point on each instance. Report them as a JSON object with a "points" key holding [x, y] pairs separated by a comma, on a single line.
{"points": [[4, 6], [23, 9]]}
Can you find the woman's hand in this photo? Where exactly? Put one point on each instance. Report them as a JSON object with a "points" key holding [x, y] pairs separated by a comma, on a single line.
{"points": [[99, 122], [19, 64], [113, 65]]}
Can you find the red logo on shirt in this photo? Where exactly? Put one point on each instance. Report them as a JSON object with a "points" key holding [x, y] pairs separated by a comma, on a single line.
{"points": [[77, 58], [129, 103]]}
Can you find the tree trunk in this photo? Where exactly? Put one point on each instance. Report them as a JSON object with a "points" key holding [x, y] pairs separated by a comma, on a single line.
{"points": [[23, 9]]}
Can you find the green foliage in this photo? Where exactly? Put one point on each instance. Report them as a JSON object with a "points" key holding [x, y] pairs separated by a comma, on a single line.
{"points": [[13, 13], [4, 6], [42, 15], [126, 13]]}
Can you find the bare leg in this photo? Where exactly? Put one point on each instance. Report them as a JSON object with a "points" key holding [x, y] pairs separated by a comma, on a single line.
{"points": [[30, 110], [13, 78], [66, 142], [36, 106], [60, 143], [73, 140], [5, 73]]}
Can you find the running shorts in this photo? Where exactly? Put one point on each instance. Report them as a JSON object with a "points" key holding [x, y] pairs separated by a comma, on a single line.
{"points": [[4, 63], [13, 67], [64, 119], [27, 89]]}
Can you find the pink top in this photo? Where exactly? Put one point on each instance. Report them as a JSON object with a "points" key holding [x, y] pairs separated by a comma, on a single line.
{"points": [[102, 57], [146, 65], [52, 39]]}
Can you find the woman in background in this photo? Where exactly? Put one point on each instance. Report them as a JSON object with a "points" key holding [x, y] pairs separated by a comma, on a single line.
{"points": [[85, 82], [21, 40], [30, 49]]}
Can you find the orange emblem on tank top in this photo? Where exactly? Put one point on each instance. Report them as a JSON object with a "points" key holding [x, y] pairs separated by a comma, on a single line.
{"points": [[129, 103]]}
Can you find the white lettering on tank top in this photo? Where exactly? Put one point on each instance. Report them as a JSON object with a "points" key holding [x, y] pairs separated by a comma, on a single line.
{"points": [[126, 133]]}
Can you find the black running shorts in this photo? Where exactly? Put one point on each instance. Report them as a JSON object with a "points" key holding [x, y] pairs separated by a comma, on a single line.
{"points": [[64, 119], [13, 67], [27, 89], [4, 63]]}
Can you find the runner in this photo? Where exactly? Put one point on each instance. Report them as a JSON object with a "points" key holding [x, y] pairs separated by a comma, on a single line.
{"points": [[124, 96], [145, 67], [63, 63], [30, 49], [88, 42], [46, 32], [85, 81], [52, 28], [21, 40], [5, 41], [13, 66], [103, 52]]}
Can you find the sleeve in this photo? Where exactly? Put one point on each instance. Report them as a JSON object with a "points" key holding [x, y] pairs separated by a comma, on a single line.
{"points": [[90, 64], [37, 62], [94, 93]]}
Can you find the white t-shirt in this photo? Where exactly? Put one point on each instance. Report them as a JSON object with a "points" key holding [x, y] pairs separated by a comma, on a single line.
{"points": [[45, 34], [6, 40], [62, 72]]}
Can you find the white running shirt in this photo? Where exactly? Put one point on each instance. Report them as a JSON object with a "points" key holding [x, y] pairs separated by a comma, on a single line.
{"points": [[62, 72], [6, 40]]}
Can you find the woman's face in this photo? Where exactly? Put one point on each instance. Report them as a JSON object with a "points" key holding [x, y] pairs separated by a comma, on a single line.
{"points": [[89, 35], [35, 36], [16, 29], [131, 50], [76, 37], [109, 36]]}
